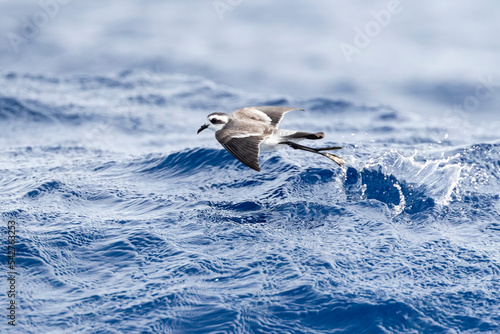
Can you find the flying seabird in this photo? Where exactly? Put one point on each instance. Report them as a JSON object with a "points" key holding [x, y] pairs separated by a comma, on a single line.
{"points": [[251, 129]]}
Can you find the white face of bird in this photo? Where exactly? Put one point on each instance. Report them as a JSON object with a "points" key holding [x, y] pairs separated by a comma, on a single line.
{"points": [[216, 121]]}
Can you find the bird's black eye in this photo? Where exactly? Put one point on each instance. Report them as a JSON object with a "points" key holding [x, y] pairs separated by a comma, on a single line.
{"points": [[216, 121]]}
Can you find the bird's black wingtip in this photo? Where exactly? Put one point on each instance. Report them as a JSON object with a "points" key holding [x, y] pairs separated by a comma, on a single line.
{"points": [[255, 168]]}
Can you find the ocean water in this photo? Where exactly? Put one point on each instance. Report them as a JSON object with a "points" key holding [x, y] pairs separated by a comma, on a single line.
{"points": [[130, 222], [127, 221]]}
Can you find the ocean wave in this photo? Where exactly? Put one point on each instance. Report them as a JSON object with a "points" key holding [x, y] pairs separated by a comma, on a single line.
{"points": [[122, 208]]}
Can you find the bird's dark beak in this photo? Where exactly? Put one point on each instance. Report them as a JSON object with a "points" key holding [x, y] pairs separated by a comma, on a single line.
{"points": [[203, 127]]}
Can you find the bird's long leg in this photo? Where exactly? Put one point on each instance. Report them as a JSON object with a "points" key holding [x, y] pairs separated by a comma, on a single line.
{"points": [[328, 148], [309, 149], [338, 160], [296, 146]]}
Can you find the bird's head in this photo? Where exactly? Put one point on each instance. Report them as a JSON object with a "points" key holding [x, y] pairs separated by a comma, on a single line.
{"points": [[216, 121]]}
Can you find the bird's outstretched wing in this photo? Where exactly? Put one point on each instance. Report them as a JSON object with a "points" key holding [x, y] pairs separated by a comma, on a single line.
{"points": [[268, 114], [244, 148]]}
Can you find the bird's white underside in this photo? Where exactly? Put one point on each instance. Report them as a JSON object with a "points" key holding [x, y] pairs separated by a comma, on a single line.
{"points": [[272, 142]]}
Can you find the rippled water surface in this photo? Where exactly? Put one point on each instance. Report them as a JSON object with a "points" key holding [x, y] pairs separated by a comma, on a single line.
{"points": [[130, 222]]}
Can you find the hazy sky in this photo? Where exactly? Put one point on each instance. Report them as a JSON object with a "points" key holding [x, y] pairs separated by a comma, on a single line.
{"points": [[411, 54]]}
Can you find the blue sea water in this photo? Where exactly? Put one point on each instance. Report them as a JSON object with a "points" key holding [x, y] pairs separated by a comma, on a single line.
{"points": [[130, 222]]}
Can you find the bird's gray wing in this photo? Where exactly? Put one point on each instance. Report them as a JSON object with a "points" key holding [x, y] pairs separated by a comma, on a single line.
{"points": [[244, 148], [270, 115]]}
